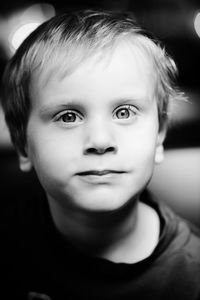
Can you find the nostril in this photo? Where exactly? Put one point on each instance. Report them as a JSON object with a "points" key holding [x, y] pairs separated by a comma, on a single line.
{"points": [[100, 150], [110, 149], [90, 151]]}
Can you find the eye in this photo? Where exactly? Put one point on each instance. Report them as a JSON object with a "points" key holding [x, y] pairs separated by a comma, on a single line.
{"points": [[69, 117], [125, 112]]}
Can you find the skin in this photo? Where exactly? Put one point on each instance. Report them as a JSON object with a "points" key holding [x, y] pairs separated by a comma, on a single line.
{"points": [[102, 117]]}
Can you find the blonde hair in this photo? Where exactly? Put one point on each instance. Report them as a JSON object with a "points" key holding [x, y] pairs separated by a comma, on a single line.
{"points": [[64, 42]]}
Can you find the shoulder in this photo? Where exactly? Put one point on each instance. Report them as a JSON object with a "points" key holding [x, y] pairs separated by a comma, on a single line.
{"points": [[183, 240], [177, 257], [179, 238], [188, 239]]}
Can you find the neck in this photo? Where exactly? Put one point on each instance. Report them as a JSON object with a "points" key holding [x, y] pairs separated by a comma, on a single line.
{"points": [[94, 230], [128, 234]]}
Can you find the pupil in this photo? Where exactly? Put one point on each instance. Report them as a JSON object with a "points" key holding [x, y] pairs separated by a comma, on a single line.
{"points": [[69, 117], [123, 114]]}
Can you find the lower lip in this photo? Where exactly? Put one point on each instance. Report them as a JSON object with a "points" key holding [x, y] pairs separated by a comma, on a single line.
{"points": [[100, 179]]}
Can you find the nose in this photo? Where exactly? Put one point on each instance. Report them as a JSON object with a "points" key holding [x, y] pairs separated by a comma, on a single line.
{"points": [[99, 139]]}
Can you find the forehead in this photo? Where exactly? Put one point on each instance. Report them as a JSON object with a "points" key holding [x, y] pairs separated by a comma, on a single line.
{"points": [[123, 65]]}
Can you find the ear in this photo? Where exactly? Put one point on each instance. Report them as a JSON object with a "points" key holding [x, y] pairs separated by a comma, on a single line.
{"points": [[159, 154], [24, 163]]}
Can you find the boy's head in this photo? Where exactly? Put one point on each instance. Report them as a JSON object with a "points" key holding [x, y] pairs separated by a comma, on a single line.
{"points": [[86, 101]]}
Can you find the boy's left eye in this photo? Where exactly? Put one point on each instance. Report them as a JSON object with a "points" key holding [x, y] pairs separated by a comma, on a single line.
{"points": [[69, 116], [125, 112]]}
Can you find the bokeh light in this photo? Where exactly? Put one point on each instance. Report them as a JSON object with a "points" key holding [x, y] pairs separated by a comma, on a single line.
{"points": [[17, 26], [197, 23], [22, 32]]}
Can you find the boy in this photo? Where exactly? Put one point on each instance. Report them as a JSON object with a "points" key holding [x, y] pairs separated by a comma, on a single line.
{"points": [[86, 99]]}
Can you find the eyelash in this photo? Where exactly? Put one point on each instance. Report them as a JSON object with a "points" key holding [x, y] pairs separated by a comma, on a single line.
{"points": [[131, 109], [72, 112]]}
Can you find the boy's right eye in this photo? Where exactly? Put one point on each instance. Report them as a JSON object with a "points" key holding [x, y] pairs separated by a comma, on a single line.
{"points": [[69, 117]]}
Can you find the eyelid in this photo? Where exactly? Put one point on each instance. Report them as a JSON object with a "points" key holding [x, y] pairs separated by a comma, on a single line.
{"points": [[128, 106], [131, 107], [62, 113]]}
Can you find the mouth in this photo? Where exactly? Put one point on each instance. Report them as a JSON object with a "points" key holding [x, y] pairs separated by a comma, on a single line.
{"points": [[100, 177], [99, 173]]}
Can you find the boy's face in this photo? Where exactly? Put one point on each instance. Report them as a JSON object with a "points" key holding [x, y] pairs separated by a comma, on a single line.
{"points": [[92, 136]]}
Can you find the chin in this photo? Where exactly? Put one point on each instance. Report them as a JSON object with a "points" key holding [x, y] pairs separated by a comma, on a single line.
{"points": [[104, 202]]}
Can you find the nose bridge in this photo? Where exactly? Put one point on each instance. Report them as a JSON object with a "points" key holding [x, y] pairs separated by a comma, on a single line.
{"points": [[99, 134], [99, 129]]}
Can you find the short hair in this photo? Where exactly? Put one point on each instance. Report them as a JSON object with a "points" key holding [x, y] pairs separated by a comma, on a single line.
{"points": [[67, 40]]}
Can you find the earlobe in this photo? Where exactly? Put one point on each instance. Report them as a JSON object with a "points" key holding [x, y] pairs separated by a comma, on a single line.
{"points": [[24, 163], [159, 156]]}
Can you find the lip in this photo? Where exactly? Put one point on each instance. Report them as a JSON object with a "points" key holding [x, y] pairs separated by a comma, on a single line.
{"points": [[100, 177], [99, 172]]}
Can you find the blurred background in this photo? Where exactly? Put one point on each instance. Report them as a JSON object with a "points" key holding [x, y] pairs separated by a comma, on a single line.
{"points": [[176, 23]]}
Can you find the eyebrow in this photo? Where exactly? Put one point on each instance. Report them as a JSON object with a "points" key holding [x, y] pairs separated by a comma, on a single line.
{"points": [[50, 108]]}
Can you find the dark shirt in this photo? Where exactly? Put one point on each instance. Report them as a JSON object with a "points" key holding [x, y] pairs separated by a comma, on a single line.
{"points": [[36, 263]]}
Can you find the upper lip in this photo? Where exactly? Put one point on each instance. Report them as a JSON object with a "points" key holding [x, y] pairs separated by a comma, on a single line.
{"points": [[99, 172]]}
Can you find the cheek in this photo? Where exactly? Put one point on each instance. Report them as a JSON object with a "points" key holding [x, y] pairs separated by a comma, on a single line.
{"points": [[55, 156], [139, 144], [140, 157]]}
